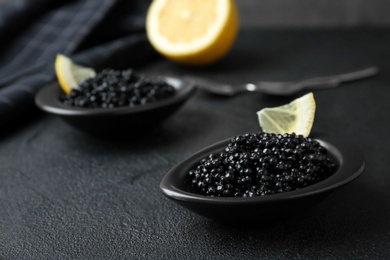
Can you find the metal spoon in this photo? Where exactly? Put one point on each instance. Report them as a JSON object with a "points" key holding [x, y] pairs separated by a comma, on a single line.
{"points": [[281, 88]]}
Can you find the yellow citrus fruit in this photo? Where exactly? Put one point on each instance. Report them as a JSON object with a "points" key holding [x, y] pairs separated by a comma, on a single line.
{"points": [[192, 32], [297, 117], [70, 74]]}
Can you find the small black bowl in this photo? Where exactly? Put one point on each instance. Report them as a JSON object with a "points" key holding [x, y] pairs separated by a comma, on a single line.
{"points": [[256, 210], [101, 121]]}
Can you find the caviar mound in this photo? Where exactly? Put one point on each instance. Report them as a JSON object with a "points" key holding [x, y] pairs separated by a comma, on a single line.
{"points": [[126, 121], [261, 164], [261, 210], [113, 88]]}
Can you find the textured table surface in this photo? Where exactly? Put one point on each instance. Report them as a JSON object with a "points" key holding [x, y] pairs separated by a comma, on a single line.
{"points": [[66, 195]]}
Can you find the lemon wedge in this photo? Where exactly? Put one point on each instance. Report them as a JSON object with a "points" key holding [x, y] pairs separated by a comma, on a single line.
{"points": [[70, 74], [297, 117], [192, 32]]}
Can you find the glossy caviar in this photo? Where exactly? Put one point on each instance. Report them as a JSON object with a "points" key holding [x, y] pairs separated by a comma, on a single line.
{"points": [[260, 164], [113, 88]]}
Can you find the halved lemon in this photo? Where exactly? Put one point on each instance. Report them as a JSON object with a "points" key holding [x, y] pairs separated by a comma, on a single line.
{"points": [[297, 117], [70, 74], [192, 32]]}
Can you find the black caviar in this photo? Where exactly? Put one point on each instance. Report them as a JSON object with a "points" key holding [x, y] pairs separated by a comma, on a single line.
{"points": [[260, 164], [113, 88]]}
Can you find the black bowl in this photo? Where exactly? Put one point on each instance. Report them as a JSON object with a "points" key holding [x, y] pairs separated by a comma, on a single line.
{"points": [[262, 208], [115, 120]]}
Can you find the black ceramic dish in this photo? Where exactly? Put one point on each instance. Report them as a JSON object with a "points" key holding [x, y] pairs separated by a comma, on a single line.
{"points": [[262, 208], [115, 120]]}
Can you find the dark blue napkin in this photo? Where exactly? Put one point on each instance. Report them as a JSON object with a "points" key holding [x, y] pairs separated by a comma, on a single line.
{"points": [[104, 33]]}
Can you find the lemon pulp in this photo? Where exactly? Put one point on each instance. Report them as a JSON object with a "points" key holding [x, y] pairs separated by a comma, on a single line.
{"points": [[192, 32], [295, 117], [70, 74]]}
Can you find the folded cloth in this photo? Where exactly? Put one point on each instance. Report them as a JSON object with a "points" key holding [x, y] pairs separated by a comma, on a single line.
{"points": [[105, 33]]}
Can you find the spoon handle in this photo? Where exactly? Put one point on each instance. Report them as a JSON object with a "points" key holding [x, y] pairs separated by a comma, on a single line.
{"points": [[212, 86], [335, 80]]}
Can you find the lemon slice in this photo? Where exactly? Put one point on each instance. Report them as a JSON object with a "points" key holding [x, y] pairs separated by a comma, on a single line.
{"points": [[192, 32], [297, 117], [70, 74]]}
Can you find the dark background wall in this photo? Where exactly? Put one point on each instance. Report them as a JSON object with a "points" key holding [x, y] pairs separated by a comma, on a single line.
{"points": [[314, 13], [311, 13]]}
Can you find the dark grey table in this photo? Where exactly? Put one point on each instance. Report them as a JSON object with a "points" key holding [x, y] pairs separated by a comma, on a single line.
{"points": [[66, 195]]}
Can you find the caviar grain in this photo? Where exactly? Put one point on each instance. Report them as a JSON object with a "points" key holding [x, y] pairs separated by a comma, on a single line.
{"points": [[114, 88], [259, 164]]}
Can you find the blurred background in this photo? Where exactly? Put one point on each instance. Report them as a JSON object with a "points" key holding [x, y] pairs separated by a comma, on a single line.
{"points": [[314, 13], [311, 13]]}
